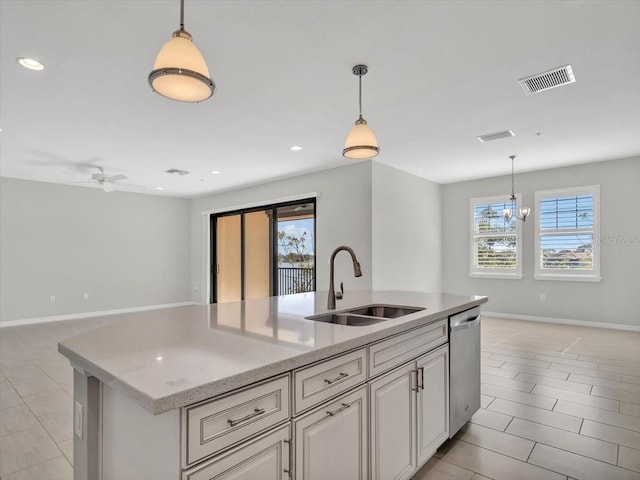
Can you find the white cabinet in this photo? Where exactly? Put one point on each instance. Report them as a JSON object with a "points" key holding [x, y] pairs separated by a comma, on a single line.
{"points": [[393, 424], [331, 441], [264, 458], [409, 415], [433, 402]]}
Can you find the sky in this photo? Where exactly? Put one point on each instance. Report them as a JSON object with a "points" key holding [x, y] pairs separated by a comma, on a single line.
{"points": [[296, 228]]}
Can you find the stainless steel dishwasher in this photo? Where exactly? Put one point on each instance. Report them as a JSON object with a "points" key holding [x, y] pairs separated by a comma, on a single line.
{"points": [[464, 368]]}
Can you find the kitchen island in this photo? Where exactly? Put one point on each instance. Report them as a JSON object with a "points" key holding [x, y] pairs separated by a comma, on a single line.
{"points": [[195, 392]]}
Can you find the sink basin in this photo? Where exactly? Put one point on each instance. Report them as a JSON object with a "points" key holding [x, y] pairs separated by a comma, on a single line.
{"points": [[384, 311], [367, 315], [347, 319]]}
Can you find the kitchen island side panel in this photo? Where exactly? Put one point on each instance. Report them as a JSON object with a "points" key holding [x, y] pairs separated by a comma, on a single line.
{"points": [[136, 444]]}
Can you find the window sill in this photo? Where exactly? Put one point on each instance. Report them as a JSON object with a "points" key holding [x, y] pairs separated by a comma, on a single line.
{"points": [[568, 278], [505, 276]]}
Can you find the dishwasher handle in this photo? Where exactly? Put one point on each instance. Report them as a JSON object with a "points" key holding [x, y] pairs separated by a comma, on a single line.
{"points": [[467, 324], [465, 319]]}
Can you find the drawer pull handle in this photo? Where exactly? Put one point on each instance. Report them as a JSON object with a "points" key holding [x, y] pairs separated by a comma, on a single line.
{"points": [[344, 405], [340, 376], [421, 384], [256, 412]]}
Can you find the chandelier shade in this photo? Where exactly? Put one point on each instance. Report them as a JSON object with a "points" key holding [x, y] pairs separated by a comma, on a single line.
{"points": [[508, 213]]}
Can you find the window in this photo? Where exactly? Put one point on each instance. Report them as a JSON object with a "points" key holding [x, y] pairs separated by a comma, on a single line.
{"points": [[262, 251], [567, 227], [496, 245]]}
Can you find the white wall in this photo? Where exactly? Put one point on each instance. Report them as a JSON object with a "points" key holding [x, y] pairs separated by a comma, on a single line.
{"points": [[407, 253], [123, 249], [129, 250], [343, 217], [616, 299]]}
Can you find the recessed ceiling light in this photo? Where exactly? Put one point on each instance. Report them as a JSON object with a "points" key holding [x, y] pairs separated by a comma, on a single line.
{"points": [[177, 171], [296, 148], [30, 63], [215, 172], [159, 188]]}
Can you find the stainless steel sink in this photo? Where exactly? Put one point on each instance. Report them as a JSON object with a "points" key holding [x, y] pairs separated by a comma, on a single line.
{"points": [[384, 311], [347, 319], [367, 315]]}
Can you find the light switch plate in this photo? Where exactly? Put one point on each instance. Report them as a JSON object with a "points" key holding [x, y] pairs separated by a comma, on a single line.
{"points": [[77, 423]]}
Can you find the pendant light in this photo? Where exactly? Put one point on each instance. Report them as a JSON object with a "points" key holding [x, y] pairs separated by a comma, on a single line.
{"points": [[361, 142], [523, 212], [180, 72]]}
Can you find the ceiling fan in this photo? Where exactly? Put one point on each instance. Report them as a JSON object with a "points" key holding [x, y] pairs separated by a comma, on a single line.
{"points": [[107, 183]]}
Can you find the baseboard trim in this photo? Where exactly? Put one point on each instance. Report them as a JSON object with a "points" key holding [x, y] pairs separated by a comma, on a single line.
{"points": [[101, 313], [566, 321]]}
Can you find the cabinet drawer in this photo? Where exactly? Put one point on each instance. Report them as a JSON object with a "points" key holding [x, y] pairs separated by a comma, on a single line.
{"points": [[319, 382], [266, 457], [218, 424], [396, 350]]}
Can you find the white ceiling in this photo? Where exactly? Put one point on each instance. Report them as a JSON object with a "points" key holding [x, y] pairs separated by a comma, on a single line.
{"points": [[441, 73]]}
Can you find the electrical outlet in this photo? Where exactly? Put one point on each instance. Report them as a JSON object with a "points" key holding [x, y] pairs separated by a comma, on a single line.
{"points": [[77, 423], [85, 296], [52, 298], [543, 297]]}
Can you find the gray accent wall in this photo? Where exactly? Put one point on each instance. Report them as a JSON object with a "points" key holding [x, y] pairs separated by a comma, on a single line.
{"points": [[615, 299], [406, 237], [130, 250], [123, 249], [389, 217], [343, 217]]}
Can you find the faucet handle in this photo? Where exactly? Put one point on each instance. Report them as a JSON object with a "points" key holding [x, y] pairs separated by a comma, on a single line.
{"points": [[340, 294]]}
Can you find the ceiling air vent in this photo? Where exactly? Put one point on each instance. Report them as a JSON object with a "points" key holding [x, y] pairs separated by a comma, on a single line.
{"points": [[548, 80], [496, 136], [175, 171]]}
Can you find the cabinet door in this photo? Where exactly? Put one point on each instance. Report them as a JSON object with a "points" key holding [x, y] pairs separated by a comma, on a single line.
{"points": [[393, 424], [263, 458], [331, 441], [433, 402]]}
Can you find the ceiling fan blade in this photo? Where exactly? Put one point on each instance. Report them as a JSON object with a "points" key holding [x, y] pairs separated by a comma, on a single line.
{"points": [[116, 178], [99, 176]]}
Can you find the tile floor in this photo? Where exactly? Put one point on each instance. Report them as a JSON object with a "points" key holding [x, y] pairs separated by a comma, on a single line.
{"points": [[558, 402]]}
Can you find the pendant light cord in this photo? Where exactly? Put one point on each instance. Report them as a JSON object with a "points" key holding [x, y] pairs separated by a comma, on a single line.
{"points": [[181, 14], [513, 189], [360, 94]]}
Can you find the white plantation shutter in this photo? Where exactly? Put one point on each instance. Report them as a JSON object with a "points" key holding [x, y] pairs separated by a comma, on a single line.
{"points": [[495, 243], [566, 233]]}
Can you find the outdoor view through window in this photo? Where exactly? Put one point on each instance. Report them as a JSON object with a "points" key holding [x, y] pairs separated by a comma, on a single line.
{"points": [[566, 232], [495, 241], [296, 249]]}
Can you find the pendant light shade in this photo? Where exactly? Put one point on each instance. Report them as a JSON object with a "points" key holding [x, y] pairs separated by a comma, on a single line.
{"points": [[361, 142], [180, 72]]}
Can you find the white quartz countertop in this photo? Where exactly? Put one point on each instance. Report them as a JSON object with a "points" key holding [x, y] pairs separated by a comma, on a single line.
{"points": [[170, 358]]}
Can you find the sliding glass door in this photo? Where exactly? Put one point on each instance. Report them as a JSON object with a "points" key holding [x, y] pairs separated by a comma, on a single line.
{"points": [[263, 251]]}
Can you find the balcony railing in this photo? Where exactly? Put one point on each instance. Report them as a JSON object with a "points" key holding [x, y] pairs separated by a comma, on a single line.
{"points": [[295, 280]]}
